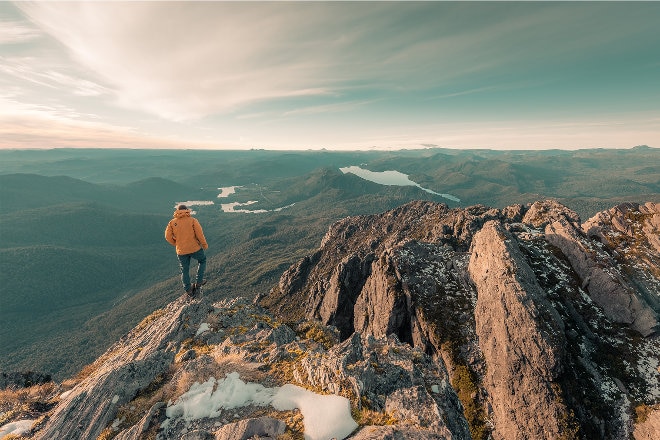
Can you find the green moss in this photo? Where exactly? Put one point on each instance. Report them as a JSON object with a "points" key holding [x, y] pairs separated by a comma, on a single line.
{"points": [[465, 382], [319, 333]]}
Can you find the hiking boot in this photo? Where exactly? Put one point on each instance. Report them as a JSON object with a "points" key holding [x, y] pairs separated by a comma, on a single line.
{"points": [[191, 290]]}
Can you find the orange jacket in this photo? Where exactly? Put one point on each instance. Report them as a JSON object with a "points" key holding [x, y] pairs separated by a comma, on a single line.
{"points": [[185, 232]]}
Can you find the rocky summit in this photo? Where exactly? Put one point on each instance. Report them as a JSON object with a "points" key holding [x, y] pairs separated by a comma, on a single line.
{"points": [[423, 322]]}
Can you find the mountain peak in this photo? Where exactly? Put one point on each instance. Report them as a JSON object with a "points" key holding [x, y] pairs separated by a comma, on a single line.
{"points": [[420, 322]]}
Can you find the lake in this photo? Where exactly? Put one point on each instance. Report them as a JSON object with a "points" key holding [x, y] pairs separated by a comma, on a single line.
{"points": [[392, 178]]}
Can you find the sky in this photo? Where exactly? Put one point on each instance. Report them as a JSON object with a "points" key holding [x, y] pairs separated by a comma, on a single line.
{"points": [[333, 75]]}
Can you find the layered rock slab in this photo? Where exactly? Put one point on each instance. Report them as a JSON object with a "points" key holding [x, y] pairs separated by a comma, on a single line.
{"points": [[521, 337]]}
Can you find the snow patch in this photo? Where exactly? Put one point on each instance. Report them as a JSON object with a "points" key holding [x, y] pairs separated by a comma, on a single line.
{"points": [[18, 427], [228, 190], [203, 327], [194, 203], [231, 207], [324, 416]]}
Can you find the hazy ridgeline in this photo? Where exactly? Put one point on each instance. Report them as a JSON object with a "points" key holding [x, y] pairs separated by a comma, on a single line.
{"points": [[82, 254]]}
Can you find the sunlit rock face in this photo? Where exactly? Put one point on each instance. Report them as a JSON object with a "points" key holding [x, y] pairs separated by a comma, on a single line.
{"points": [[420, 322], [547, 327]]}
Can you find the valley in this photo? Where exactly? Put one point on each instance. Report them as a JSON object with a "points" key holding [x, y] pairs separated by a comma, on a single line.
{"points": [[82, 254]]}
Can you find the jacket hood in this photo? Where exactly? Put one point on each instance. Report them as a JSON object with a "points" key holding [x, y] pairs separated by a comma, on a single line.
{"points": [[181, 213]]}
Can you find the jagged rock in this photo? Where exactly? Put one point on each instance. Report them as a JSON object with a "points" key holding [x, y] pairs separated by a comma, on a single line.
{"points": [[405, 313], [346, 281], [263, 428], [521, 337], [329, 281], [405, 273], [395, 433], [197, 434], [129, 366], [415, 405], [649, 428], [93, 404], [651, 225], [381, 308], [389, 376], [600, 274], [154, 416], [544, 212], [514, 213]]}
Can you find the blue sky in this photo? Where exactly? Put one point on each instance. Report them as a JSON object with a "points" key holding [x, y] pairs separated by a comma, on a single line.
{"points": [[335, 75]]}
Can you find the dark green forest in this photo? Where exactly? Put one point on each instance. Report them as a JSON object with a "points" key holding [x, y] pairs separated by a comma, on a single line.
{"points": [[82, 253]]}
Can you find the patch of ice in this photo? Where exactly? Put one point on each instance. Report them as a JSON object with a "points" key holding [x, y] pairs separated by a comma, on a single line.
{"points": [[324, 416], [227, 191], [194, 203], [17, 428], [203, 327], [231, 207]]}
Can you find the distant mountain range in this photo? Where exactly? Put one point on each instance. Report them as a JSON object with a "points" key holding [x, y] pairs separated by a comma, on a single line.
{"points": [[82, 254]]}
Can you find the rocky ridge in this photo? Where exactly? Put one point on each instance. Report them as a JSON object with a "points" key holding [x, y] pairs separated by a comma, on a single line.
{"points": [[432, 323], [548, 327]]}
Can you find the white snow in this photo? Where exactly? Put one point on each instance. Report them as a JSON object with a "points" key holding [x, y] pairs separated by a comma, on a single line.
{"points": [[203, 327], [227, 191], [194, 203], [18, 427], [231, 207], [324, 417]]}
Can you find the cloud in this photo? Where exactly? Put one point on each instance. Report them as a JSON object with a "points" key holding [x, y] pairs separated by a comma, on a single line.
{"points": [[326, 108], [43, 73], [24, 125], [223, 62], [14, 32], [185, 61], [190, 60]]}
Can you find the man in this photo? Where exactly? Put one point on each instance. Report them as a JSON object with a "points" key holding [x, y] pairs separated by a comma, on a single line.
{"points": [[185, 232]]}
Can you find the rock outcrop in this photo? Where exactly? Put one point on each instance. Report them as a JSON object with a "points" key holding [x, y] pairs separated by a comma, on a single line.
{"points": [[521, 337], [597, 266], [127, 368], [523, 305], [422, 322]]}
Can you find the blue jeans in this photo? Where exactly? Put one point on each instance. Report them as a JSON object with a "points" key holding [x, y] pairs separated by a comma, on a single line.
{"points": [[184, 263]]}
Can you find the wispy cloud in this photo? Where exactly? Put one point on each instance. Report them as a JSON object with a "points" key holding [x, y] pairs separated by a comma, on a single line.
{"points": [[183, 61], [14, 32], [327, 108], [31, 70], [237, 65]]}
